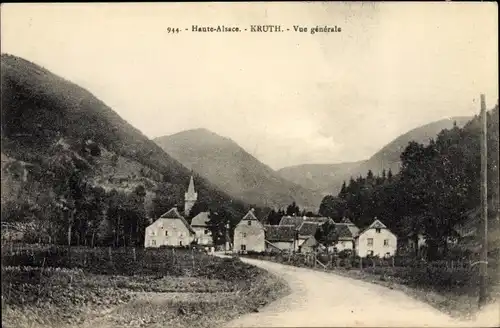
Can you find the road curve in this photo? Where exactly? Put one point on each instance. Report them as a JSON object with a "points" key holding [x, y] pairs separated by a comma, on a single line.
{"points": [[321, 299]]}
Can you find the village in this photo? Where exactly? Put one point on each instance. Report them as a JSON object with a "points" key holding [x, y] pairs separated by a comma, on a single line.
{"points": [[293, 233]]}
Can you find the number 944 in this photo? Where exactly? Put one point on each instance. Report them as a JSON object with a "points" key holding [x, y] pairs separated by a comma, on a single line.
{"points": [[172, 30]]}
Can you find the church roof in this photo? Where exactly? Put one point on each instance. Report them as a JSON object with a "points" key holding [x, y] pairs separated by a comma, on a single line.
{"points": [[200, 220], [191, 186]]}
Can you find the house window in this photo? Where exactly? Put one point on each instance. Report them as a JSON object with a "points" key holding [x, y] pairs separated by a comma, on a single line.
{"points": [[180, 243], [249, 222], [370, 241], [370, 253], [244, 234], [386, 242], [377, 230], [152, 233], [206, 231], [243, 247], [153, 242], [166, 233]]}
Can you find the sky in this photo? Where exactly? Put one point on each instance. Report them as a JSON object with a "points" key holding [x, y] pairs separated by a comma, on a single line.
{"points": [[287, 98]]}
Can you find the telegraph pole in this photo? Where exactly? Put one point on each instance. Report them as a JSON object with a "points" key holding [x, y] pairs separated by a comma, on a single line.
{"points": [[484, 205]]}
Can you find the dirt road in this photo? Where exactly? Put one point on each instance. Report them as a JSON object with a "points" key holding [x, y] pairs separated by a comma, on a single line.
{"points": [[320, 299]]}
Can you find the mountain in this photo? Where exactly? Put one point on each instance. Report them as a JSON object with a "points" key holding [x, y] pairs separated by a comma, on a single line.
{"points": [[328, 178], [224, 163], [317, 176], [50, 125]]}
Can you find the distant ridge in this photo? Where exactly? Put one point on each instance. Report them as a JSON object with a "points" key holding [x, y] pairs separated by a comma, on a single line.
{"points": [[327, 178], [224, 163]]}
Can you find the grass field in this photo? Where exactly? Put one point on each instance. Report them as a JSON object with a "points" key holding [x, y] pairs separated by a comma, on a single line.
{"points": [[94, 287]]}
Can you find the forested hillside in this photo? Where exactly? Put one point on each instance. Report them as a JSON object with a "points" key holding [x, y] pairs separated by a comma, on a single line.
{"points": [[437, 188], [72, 166]]}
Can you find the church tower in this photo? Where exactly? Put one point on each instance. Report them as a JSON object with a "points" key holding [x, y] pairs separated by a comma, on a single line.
{"points": [[190, 198]]}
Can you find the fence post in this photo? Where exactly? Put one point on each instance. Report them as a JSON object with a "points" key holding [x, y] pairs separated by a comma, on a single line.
{"points": [[393, 261], [360, 263], [192, 258], [135, 256]]}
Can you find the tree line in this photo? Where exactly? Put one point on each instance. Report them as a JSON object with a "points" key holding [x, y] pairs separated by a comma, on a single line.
{"points": [[437, 187]]}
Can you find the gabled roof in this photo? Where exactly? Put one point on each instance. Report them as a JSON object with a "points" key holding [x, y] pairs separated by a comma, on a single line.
{"points": [[296, 221], [310, 242], [346, 221], [278, 233], [343, 232], [200, 220], [250, 216], [308, 228], [376, 224], [173, 214]]}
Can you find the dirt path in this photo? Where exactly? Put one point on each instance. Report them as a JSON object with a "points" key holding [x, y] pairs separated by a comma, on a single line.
{"points": [[320, 299]]}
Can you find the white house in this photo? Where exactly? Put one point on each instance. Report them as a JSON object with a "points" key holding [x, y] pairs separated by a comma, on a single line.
{"points": [[200, 226], [376, 240], [249, 234], [171, 229]]}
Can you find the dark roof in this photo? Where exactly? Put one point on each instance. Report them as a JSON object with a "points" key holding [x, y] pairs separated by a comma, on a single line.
{"points": [[173, 213], [250, 216], [321, 219], [200, 220], [279, 233], [296, 221], [346, 220], [308, 228], [343, 232]]}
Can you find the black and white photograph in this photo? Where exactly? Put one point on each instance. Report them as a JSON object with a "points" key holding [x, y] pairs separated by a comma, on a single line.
{"points": [[250, 164]]}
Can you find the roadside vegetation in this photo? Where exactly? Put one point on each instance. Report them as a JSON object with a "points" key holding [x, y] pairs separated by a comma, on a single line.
{"points": [[450, 286], [50, 287]]}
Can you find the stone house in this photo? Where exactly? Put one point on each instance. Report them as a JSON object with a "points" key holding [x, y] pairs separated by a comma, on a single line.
{"points": [[171, 229], [280, 238], [376, 240], [249, 234], [200, 226]]}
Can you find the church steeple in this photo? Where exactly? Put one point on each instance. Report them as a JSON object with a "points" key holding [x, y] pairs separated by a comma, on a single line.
{"points": [[190, 197]]}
